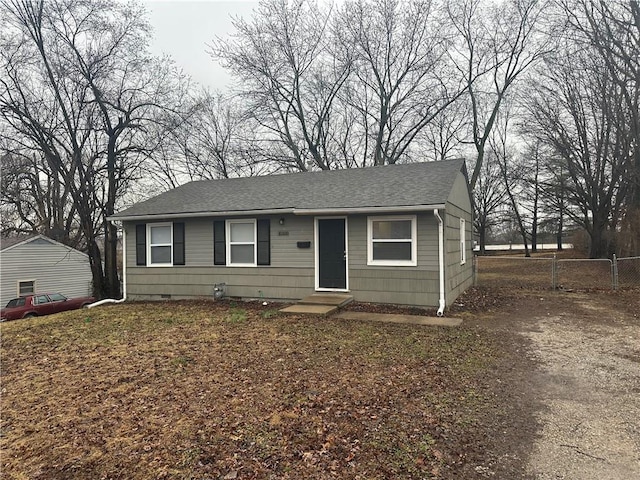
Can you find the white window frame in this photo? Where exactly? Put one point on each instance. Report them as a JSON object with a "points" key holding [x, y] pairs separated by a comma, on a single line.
{"points": [[414, 241], [229, 243], [25, 281], [151, 245], [463, 235]]}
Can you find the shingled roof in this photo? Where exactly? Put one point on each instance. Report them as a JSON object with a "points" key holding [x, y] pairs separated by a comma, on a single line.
{"points": [[8, 242], [407, 185]]}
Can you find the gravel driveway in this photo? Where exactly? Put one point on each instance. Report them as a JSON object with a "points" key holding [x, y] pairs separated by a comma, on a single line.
{"points": [[588, 383]]}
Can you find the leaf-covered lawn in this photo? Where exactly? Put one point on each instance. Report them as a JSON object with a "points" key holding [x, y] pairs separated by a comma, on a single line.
{"points": [[222, 390]]}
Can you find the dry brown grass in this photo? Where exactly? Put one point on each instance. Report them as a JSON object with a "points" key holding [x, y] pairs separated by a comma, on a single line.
{"points": [[206, 390]]}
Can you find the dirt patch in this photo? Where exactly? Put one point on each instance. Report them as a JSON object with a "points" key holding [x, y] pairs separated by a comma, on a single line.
{"points": [[587, 380]]}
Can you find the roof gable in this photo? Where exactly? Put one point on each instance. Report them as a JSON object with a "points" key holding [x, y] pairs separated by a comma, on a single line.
{"points": [[406, 185], [9, 243]]}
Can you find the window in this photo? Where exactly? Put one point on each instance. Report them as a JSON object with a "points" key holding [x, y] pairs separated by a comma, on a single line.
{"points": [[160, 244], [463, 251], [57, 297], [392, 241], [26, 287], [40, 299], [16, 302], [245, 242], [241, 243]]}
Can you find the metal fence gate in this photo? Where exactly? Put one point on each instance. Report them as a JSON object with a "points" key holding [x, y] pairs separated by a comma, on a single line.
{"points": [[551, 272]]}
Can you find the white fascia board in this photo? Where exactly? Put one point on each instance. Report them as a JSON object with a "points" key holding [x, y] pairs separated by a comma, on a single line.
{"points": [[281, 211], [345, 211], [233, 213]]}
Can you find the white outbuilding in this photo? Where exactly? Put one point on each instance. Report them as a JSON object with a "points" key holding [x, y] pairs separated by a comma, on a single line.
{"points": [[36, 263]]}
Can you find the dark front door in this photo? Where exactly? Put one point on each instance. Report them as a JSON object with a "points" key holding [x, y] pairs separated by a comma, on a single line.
{"points": [[332, 253]]}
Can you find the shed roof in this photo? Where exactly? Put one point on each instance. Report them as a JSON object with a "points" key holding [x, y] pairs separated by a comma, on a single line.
{"points": [[406, 185], [7, 242]]}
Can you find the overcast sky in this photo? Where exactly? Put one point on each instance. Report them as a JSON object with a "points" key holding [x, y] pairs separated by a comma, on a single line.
{"points": [[183, 28]]}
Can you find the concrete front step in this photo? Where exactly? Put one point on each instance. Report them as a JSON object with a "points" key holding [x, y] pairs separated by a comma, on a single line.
{"points": [[398, 318], [310, 309], [335, 299]]}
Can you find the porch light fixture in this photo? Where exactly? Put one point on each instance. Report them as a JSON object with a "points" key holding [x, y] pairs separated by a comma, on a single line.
{"points": [[281, 221]]}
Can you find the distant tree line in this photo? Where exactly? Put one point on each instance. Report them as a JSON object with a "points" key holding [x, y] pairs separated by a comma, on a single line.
{"points": [[540, 97]]}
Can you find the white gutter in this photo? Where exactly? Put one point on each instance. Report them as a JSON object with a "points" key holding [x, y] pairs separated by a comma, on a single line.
{"points": [[282, 211], [229, 213], [347, 210], [124, 276], [441, 302]]}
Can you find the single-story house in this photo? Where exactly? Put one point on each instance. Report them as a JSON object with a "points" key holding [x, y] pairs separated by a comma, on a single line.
{"points": [[36, 263], [397, 234]]}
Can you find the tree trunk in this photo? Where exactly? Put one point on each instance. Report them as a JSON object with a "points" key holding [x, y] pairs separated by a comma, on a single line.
{"points": [[482, 233], [559, 233], [112, 287], [599, 244], [534, 233], [95, 262], [112, 283]]}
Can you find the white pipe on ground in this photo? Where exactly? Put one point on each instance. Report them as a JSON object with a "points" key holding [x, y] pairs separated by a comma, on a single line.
{"points": [[124, 276], [441, 301]]}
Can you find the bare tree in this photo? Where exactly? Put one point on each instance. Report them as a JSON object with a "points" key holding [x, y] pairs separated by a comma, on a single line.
{"points": [[532, 166], [612, 29], [37, 199], [217, 139], [79, 88], [579, 111], [511, 173], [555, 188], [402, 80], [290, 78], [444, 135], [488, 199], [498, 44]]}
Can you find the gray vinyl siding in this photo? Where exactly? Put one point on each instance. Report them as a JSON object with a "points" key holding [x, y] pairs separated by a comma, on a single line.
{"points": [[191, 282], [427, 243], [289, 277], [54, 267], [457, 277], [199, 242], [400, 285], [284, 249], [291, 274]]}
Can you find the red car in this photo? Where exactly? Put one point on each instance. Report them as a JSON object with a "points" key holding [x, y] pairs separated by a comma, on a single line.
{"points": [[41, 304]]}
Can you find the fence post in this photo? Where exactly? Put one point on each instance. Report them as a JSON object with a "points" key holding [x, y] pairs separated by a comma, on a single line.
{"points": [[474, 270], [554, 273], [614, 272]]}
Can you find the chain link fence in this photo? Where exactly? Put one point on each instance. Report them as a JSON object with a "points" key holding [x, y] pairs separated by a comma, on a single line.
{"points": [[511, 271], [627, 272], [579, 273], [549, 272]]}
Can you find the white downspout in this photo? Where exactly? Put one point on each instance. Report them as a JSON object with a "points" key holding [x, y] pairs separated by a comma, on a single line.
{"points": [[441, 302], [124, 275]]}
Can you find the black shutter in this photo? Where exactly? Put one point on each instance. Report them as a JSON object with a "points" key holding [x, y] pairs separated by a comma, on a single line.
{"points": [[219, 246], [264, 244], [141, 244], [178, 243]]}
